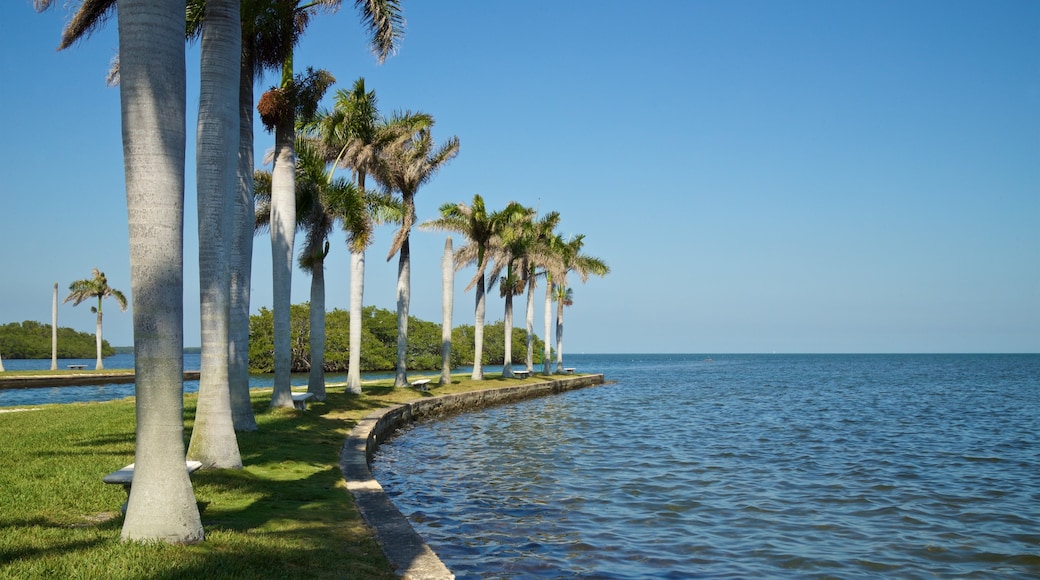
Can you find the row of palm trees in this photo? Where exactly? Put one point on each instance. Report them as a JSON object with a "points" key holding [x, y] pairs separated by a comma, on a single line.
{"points": [[238, 40]]}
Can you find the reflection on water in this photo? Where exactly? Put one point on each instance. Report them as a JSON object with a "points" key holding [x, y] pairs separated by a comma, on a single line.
{"points": [[746, 466]]}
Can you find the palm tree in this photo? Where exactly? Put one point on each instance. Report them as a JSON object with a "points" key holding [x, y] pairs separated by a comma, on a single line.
{"points": [[354, 136], [405, 169], [384, 21], [95, 287], [512, 241], [153, 102], [213, 440], [537, 254], [473, 222], [573, 260], [279, 110]]}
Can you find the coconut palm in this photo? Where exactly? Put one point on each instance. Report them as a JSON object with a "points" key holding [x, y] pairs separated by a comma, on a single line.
{"points": [[95, 287], [573, 260], [153, 103], [406, 168]]}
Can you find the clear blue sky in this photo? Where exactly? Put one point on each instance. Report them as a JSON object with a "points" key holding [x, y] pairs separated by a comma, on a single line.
{"points": [[859, 176]]}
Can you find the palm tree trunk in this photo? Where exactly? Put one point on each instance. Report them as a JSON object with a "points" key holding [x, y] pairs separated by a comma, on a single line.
{"points": [[559, 335], [241, 259], [529, 360], [1, 363], [404, 267], [357, 291], [478, 332], [316, 380], [152, 97], [283, 229], [447, 300], [54, 330], [507, 331], [213, 440], [547, 356], [97, 335]]}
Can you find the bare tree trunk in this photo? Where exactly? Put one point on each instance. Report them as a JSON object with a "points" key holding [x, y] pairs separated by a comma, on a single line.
{"points": [[316, 379], [404, 267], [241, 259], [447, 300], [547, 356], [213, 439], [559, 335], [357, 291], [283, 230], [478, 333], [97, 335], [507, 331], [54, 330], [152, 96], [529, 360]]}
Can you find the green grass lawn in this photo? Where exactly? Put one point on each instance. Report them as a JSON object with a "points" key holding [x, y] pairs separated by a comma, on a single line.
{"points": [[286, 514]]}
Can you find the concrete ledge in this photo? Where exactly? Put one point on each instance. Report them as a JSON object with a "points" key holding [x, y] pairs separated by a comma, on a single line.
{"points": [[406, 550]]}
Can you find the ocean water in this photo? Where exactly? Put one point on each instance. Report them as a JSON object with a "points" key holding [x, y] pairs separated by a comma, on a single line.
{"points": [[744, 466]]}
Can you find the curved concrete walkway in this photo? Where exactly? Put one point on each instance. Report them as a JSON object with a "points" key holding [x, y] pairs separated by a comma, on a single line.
{"points": [[411, 558]]}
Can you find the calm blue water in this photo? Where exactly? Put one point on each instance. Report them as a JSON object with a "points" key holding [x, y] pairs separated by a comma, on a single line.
{"points": [[108, 392], [798, 466]]}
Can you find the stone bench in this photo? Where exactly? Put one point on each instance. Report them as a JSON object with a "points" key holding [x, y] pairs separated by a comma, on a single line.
{"points": [[77, 367], [125, 477], [569, 370], [421, 384], [300, 400], [522, 374]]}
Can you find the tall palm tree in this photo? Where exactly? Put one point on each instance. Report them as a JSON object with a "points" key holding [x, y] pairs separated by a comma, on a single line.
{"points": [[354, 136], [213, 440], [538, 254], [280, 108], [481, 230], [405, 169], [320, 202], [474, 222], [153, 104], [512, 242], [573, 260], [95, 287], [383, 20]]}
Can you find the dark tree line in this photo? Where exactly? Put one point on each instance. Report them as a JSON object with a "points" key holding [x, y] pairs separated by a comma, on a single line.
{"points": [[31, 339], [378, 342]]}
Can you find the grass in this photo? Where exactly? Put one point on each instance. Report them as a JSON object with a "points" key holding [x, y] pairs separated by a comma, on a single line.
{"points": [[286, 514]]}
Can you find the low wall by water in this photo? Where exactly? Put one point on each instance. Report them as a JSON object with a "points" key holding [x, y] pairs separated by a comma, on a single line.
{"points": [[74, 379], [406, 550]]}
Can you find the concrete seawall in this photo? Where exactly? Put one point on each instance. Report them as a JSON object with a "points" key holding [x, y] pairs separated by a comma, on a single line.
{"points": [[73, 379], [406, 550]]}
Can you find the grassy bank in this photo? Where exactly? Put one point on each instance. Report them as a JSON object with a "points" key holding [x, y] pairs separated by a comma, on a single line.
{"points": [[287, 514]]}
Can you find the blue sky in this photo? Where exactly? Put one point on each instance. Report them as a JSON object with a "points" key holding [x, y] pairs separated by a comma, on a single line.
{"points": [[859, 176]]}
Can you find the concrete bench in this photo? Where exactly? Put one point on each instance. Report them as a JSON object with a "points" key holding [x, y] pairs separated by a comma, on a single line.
{"points": [[125, 477], [421, 384], [522, 374], [77, 367], [300, 400], [569, 370]]}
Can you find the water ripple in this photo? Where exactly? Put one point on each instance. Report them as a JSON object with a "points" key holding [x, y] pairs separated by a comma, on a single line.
{"points": [[832, 466]]}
